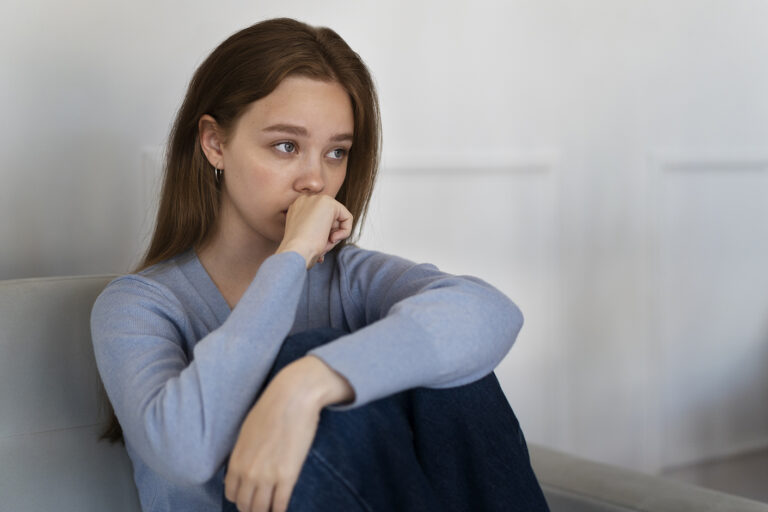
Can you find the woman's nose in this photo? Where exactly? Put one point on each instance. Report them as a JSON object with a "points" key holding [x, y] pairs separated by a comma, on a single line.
{"points": [[311, 178]]}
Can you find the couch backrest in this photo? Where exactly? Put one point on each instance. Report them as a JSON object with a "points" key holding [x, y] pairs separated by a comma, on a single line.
{"points": [[52, 402]]}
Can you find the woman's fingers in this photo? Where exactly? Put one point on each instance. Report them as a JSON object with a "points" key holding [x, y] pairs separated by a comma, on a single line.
{"points": [[282, 497], [262, 499], [342, 226], [262, 496], [231, 486], [340, 230], [345, 222], [244, 496], [268, 498], [314, 225]]}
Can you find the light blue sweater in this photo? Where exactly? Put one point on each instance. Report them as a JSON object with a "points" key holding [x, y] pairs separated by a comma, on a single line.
{"points": [[181, 369]]}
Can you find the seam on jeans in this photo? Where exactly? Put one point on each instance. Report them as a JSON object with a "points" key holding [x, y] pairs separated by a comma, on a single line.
{"points": [[343, 480]]}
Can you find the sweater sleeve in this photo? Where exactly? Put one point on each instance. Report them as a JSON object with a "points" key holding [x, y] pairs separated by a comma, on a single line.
{"points": [[421, 327], [182, 417]]}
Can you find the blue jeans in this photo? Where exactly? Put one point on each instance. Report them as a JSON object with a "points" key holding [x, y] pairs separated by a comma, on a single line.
{"points": [[455, 449]]}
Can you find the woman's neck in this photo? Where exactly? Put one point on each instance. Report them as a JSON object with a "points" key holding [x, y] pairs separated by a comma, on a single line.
{"points": [[232, 261]]}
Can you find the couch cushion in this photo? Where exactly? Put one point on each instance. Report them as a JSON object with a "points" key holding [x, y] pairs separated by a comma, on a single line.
{"points": [[52, 402]]}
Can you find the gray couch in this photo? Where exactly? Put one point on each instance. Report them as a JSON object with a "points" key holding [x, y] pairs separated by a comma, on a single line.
{"points": [[51, 410]]}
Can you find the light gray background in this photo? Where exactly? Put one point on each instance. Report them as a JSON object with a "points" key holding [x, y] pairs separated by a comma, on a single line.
{"points": [[603, 162]]}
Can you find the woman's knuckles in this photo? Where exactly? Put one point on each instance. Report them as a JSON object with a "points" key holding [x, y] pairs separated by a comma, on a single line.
{"points": [[263, 476]]}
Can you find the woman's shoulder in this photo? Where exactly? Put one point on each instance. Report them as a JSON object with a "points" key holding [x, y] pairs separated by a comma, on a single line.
{"points": [[150, 287]]}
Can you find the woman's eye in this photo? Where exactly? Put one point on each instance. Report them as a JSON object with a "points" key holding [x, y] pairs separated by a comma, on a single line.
{"points": [[288, 147], [338, 153]]}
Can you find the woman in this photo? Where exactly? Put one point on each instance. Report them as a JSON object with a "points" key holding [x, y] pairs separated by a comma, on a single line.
{"points": [[256, 358]]}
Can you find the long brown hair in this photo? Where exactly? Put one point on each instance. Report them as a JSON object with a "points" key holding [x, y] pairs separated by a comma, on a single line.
{"points": [[246, 67]]}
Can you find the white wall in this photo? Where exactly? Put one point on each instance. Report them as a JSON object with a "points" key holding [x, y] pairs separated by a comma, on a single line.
{"points": [[603, 162]]}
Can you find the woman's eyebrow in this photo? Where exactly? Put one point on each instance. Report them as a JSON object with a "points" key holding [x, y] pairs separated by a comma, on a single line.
{"points": [[301, 131]]}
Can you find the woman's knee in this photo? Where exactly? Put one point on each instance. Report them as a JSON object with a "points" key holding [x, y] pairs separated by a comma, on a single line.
{"points": [[482, 394], [481, 401], [297, 345]]}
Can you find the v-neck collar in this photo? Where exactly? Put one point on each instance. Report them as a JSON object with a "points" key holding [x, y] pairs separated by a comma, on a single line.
{"points": [[191, 266], [203, 283]]}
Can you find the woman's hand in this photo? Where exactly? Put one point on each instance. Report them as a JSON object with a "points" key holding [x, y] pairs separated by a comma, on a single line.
{"points": [[278, 432], [314, 224], [273, 443]]}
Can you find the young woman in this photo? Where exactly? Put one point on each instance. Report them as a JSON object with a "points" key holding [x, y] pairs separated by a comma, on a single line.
{"points": [[259, 361]]}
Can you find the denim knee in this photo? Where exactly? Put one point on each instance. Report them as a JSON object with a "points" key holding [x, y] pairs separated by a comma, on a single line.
{"points": [[297, 345]]}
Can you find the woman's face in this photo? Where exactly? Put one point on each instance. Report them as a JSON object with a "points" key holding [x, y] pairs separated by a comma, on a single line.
{"points": [[294, 141]]}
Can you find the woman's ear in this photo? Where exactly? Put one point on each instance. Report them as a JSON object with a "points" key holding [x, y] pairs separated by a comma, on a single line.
{"points": [[211, 140]]}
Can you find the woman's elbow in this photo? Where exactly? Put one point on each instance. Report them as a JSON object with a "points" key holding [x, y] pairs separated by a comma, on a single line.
{"points": [[506, 318], [188, 469], [185, 458], [516, 319], [197, 475]]}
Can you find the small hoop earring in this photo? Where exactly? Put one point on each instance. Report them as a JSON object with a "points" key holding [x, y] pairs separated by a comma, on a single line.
{"points": [[218, 172]]}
